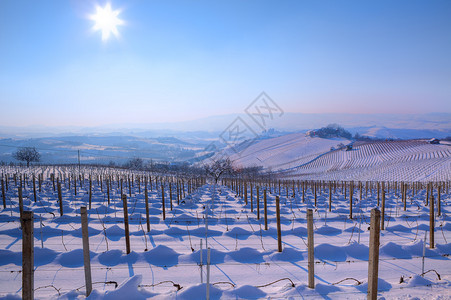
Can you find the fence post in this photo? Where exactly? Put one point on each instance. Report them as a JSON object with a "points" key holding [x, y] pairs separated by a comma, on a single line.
{"points": [[311, 247], [27, 256], [34, 188], [3, 194], [258, 204], [383, 209], [431, 222], [60, 196], [127, 231], [108, 190], [279, 233], [373, 259], [86, 254], [330, 196], [19, 188], [162, 201], [252, 196], [439, 206], [170, 194], [90, 191], [245, 192], [266, 210], [146, 196], [351, 193]]}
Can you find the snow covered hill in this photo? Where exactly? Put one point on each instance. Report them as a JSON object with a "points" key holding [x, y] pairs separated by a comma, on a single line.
{"points": [[412, 160], [299, 156], [285, 152]]}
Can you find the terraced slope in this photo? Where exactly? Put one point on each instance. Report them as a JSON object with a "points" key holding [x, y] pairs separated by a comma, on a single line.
{"points": [[413, 160], [284, 152]]}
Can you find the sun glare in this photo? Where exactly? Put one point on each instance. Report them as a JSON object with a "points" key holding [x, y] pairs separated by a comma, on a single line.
{"points": [[106, 21]]}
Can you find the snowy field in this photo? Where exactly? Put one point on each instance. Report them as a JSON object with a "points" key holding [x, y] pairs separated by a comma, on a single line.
{"points": [[300, 157], [245, 264], [412, 160]]}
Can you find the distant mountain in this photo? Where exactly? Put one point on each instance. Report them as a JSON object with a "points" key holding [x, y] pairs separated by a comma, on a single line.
{"points": [[376, 125], [184, 141], [103, 149]]}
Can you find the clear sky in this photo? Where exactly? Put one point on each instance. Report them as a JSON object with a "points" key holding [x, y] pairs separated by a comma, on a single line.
{"points": [[182, 60]]}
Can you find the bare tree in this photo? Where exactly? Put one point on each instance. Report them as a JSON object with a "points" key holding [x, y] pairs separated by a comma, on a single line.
{"points": [[135, 163], [28, 154], [218, 168]]}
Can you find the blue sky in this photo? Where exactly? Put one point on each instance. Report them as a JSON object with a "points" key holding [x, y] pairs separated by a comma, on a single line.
{"points": [[182, 60]]}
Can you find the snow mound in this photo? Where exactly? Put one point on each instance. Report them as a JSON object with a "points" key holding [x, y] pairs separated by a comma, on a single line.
{"points": [[73, 259], [394, 250], [79, 234], [382, 286], [399, 228], [43, 256], [216, 257], [288, 254], [199, 292], [357, 250], [126, 290], [417, 280], [162, 256], [246, 255], [185, 219], [298, 231], [110, 258], [328, 230], [248, 292], [10, 257], [239, 233]]}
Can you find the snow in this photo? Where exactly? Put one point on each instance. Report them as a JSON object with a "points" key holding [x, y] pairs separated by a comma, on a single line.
{"points": [[284, 152], [245, 264], [412, 160]]}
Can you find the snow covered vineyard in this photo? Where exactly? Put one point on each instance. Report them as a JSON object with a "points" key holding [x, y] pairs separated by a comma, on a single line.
{"points": [[165, 262], [410, 160]]}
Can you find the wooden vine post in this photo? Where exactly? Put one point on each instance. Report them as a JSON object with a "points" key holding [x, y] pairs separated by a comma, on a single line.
{"points": [[86, 254], [146, 196], [351, 193], [19, 191], [90, 191], [34, 188], [108, 190], [383, 209], [60, 197], [266, 210], [170, 194], [279, 231], [27, 256], [127, 231], [252, 196], [258, 204], [162, 202], [431, 223], [314, 187], [439, 206], [3, 194], [330, 196], [311, 247], [373, 259]]}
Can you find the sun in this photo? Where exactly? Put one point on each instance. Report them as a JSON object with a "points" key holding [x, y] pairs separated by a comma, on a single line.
{"points": [[106, 21]]}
